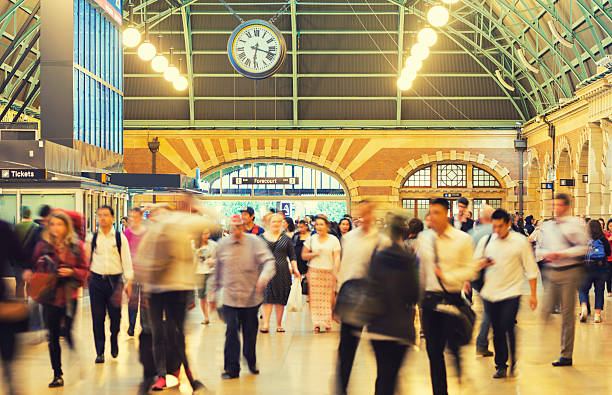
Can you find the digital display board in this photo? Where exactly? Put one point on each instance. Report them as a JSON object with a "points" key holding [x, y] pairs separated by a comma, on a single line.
{"points": [[112, 8]]}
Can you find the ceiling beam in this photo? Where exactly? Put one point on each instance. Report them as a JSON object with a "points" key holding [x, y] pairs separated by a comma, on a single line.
{"points": [[186, 18], [319, 75], [400, 60], [302, 98], [294, 61]]}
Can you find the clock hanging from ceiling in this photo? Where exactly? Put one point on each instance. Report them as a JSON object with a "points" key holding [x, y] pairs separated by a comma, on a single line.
{"points": [[256, 49]]}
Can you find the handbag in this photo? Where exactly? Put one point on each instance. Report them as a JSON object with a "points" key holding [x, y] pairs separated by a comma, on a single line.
{"points": [[294, 303], [305, 287], [457, 308], [43, 287], [479, 282]]}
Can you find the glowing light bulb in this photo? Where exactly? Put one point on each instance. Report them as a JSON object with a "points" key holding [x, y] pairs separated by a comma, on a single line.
{"points": [[413, 63], [450, 1], [146, 51], [171, 73], [131, 37], [438, 16], [180, 83], [409, 75], [419, 51], [404, 84], [427, 36], [159, 63]]}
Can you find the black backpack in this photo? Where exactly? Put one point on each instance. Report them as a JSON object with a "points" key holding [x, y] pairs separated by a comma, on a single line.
{"points": [[95, 240]]}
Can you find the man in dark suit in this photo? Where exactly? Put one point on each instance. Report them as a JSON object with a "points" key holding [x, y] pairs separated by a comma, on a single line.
{"points": [[461, 220]]}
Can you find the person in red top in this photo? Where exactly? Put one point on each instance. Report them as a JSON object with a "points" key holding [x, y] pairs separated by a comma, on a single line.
{"points": [[608, 233], [60, 252]]}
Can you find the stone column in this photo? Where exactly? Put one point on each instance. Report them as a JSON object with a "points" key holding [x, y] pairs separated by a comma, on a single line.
{"points": [[594, 187]]}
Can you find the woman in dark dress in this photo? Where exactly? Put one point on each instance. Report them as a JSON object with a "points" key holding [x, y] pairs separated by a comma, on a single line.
{"points": [[277, 291]]}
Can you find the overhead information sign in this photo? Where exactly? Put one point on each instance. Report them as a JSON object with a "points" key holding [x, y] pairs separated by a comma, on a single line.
{"points": [[112, 8], [452, 195], [265, 180], [22, 174]]}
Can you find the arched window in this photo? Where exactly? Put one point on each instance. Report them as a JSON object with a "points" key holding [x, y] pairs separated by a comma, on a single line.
{"points": [[452, 175], [281, 179], [421, 178], [483, 179]]}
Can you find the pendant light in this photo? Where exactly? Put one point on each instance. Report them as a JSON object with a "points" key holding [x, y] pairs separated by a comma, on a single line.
{"points": [[180, 82], [427, 36], [146, 51], [159, 62], [171, 72], [131, 35], [438, 16]]}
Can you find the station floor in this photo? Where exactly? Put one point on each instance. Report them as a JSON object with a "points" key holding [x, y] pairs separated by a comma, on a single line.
{"points": [[302, 363]]}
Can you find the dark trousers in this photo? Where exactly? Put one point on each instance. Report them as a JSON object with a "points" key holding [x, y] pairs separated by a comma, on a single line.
{"points": [[105, 296], [133, 304], [503, 318], [349, 341], [168, 335], [7, 352], [597, 280], [609, 279], [438, 335], [53, 317], [237, 319], [482, 341], [389, 358]]}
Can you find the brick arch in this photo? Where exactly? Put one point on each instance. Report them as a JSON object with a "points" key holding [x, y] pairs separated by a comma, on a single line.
{"points": [[480, 160], [564, 145], [347, 182]]}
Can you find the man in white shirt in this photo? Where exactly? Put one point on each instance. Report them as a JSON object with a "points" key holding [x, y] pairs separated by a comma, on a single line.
{"points": [[564, 244], [507, 255], [446, 256], [358, 246], [111, 263]]}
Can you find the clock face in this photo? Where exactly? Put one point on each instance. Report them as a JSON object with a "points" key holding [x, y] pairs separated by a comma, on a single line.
{"points": [[256, 50]]}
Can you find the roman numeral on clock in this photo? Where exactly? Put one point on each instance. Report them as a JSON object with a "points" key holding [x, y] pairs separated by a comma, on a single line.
{"points": [[270, 40], [256, 32], [247, 62], [272, 48], [270, 56], [248, 34]]}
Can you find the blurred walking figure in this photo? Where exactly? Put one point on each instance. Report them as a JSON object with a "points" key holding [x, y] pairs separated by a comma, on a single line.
{"points": [[322, 250], [358, 246], [446, 258], [62, 255], [277, 291], [244, 268], [206, 260], [483, 230], [504, 258], [394, 272], [9, 251], [27, 232], [597, 271], [111, 264], [564, 244], [167, 260], [134, 235]]}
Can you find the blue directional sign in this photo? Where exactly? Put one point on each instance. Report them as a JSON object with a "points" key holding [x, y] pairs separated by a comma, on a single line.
{"points": [[286, 208]]}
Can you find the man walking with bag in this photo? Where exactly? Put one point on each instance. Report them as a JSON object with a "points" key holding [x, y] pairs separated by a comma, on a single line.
{"points": [[446, 262], [111, 263], [358, 247], [506, 256]]}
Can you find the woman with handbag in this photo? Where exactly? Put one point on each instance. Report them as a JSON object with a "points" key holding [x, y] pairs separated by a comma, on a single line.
{"points": [[322, 250], [60, 262], [597, 271], [393, 271]]}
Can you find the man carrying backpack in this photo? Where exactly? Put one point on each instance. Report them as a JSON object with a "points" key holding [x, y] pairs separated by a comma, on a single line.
{"points": [[110, 264]]}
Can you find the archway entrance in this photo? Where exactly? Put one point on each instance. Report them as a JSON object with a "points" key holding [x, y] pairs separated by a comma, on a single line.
{"points": [[564, 172], [580, 197], [297, 188], [534, 191]]}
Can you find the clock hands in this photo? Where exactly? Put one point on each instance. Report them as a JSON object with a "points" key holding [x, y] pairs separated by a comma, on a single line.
{"points": [[256, 48]]}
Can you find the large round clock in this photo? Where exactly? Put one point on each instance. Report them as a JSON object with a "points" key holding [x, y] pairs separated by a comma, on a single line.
{"points": [[256, 49]]}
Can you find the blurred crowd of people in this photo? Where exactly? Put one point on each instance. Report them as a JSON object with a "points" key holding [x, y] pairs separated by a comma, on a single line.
{"points": [[392, 280]]}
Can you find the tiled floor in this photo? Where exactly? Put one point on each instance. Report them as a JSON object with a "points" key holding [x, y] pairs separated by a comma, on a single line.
{"points": [[299, 362]]}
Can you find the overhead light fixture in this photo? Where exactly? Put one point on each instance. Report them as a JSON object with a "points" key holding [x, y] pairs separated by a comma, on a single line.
{"points": [[404, 84], [413, 63], [419, 51], [521, 55], [131, 35], [501, 81], [159, 63], [171, 73], [558, 36], [450, 1], [146, 51], [180, 83], [438, 16], [408, 74], [427, 36]]}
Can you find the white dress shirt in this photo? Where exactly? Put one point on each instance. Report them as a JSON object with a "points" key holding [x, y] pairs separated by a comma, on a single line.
{"points": [[565, 235], [106, 260], [455, 257], [357, 249], [511, 256]]}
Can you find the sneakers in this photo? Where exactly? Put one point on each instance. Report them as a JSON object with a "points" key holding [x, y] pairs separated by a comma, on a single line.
{"points": [[500, 374], [160, 384], [229, 376], [562, 362], [100, 359], [597, 318], [114, 347], [205, 322], [484, 353], [58, 381], [584, 314]]}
